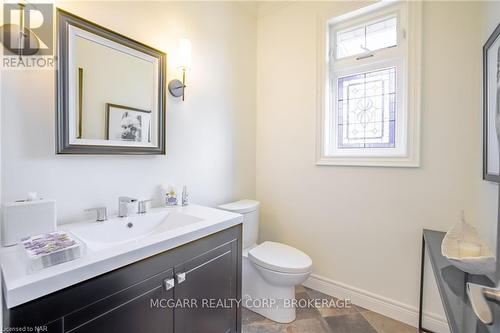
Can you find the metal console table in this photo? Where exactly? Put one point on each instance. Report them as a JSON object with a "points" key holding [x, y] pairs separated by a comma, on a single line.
{"points": [[451, 285]]}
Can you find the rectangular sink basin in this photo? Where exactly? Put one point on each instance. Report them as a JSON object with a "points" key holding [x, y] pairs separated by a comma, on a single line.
{"points": [[100, 235], [110, 245]]}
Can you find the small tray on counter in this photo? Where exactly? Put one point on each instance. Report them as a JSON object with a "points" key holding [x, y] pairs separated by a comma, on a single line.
{"points": [[46, 250]]}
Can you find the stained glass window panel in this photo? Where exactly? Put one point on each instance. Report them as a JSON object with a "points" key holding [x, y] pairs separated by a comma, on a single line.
{"points": [[366, 109]]}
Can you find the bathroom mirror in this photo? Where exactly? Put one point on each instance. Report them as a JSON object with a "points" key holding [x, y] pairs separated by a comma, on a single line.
{"points": [[110, 91]]}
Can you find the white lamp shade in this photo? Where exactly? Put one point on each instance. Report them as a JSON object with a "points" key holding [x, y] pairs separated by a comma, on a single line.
{"points": [[184, 53]]}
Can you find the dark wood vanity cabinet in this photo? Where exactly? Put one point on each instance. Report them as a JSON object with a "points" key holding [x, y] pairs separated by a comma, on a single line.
{"points": [[129, 310], [140, 297], [211, 285]]}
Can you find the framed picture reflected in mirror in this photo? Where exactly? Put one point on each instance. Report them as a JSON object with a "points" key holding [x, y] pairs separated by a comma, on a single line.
{"points": [[491, 107], [124, 123]]}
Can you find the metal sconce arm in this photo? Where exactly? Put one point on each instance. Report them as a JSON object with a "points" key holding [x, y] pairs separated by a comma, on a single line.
{"points": [[176, 87]]}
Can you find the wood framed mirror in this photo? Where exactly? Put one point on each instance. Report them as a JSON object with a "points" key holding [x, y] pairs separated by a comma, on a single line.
{"points": [[110, 91]]}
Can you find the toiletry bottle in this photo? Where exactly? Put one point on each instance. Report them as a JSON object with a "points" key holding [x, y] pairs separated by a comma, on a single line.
{"points": [[171, 196], [185, 196]]}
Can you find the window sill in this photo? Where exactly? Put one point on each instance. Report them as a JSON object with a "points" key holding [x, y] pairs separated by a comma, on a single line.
{"points": [[394, 162]]}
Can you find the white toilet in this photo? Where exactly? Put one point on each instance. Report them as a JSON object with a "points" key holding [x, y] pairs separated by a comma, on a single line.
{"points": [[270, 270]]}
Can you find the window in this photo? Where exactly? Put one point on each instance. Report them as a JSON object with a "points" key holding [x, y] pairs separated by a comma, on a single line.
{"points": [[366, 109], [368, 37], [369, 113]]}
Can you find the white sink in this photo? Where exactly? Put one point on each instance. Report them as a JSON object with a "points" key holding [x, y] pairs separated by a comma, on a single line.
{"points": [[111, 245], [100, 235]]}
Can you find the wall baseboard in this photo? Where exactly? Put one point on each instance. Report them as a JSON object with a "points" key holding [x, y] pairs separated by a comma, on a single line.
{"points": [[376, 303]]}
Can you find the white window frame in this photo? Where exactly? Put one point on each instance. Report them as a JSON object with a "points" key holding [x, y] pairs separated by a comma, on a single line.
{"points": [[406, 57], [339, 24]]}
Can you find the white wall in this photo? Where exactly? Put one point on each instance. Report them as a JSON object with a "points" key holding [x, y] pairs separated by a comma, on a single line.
{"points": [[1, 103], [362, 225], [210, 136], [487, 193]]}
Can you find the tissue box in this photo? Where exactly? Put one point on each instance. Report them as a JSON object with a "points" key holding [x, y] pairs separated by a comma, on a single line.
{"points": [[27, 218], [50, 249]]}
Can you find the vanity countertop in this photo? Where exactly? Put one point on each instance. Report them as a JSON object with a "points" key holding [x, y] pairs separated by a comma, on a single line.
{"points": [[20, 287]]}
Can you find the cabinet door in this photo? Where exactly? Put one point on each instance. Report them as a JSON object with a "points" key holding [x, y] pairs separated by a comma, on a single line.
{"points": [[207, 284], [142, 307], [54, 327]]}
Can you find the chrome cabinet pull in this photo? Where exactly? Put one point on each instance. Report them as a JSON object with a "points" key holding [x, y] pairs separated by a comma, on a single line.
{"points": [[181, 277], [168, 283]]}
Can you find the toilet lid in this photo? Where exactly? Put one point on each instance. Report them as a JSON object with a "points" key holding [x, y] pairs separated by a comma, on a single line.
{"points": [[280, 258], [242, 206]]}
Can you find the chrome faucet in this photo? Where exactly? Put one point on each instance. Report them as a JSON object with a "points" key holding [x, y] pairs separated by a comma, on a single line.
{"points": [[141, 206], [102, 215], [123, 203]]}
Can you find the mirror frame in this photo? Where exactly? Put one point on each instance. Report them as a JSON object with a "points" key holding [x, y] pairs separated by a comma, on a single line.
{"points": [[63, 146]]}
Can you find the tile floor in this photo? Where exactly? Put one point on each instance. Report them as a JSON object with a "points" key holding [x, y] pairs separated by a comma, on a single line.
{"points": [[325, 320]]}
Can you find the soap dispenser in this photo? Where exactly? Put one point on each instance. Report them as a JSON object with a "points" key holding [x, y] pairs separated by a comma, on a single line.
{"points": [[185, 196]]}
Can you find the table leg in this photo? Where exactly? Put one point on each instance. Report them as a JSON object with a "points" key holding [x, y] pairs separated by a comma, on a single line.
{"points": [[421, 302]]}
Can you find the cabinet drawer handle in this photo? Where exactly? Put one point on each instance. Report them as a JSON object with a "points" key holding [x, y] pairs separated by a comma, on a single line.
{"points": [[168, 283], [181, 277]]}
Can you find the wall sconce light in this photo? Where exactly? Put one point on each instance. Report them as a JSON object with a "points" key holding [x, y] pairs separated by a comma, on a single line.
{"points": [[177, 87]]}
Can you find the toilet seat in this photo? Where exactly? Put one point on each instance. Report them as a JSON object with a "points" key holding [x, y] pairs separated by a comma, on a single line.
{"points": [[280, 258]]}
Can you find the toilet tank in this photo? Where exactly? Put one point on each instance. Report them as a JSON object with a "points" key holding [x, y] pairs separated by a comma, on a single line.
{"points": [[250, 211]]}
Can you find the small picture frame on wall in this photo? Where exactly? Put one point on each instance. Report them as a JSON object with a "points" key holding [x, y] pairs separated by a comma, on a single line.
{"points": [[124, 123], [491, 107]]}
